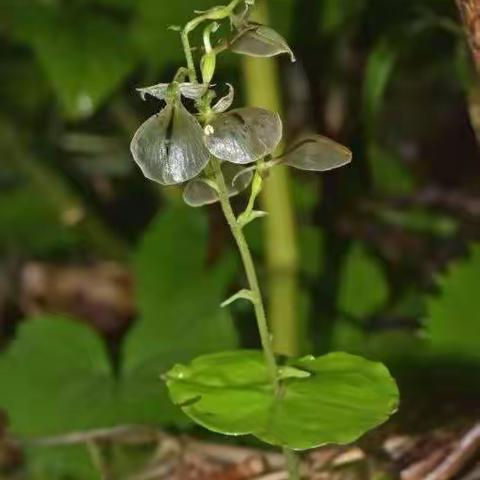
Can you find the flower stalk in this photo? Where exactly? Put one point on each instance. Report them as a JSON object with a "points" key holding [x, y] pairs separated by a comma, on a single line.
{"points": [[249, 266]]}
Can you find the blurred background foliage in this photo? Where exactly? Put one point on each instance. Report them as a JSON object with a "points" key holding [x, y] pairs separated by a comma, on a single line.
{"points": [[389, 257]]}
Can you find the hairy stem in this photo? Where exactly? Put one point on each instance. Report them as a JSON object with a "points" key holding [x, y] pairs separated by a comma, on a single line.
{"points": [[250, 272]]}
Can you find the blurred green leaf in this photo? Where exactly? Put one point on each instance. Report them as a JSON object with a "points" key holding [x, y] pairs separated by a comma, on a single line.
{"points": [[84, 54], [330, 399], [379, 70], [363, 286], [55, 377], [336, 14], [19, 217], [453, 316], [179, 303], [84, 77], [389, 174], [63, 462], [161, 46], [420, 220]]}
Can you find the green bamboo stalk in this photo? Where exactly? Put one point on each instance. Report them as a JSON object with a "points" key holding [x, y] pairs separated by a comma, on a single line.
{"points": [[281, 250]]}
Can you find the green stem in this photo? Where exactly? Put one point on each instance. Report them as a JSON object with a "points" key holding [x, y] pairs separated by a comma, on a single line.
{"points": [[281, 250], [293, 464], [250, 272], [192, 72]]}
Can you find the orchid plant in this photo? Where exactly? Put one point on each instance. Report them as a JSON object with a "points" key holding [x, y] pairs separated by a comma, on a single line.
{"points": [[215, 153]]}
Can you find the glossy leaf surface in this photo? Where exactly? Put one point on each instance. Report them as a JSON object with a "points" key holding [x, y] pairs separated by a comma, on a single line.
{"points": [[244, 135], [318, 154], [169, 146], [339, 397]]}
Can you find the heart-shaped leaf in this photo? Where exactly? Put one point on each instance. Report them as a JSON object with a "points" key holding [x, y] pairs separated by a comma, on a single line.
{"points": [[55, 377], [339, 398]]}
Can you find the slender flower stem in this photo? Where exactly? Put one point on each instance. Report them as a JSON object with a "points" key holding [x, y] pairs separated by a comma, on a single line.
{"points": [[250, 272], [192, 72], [237, 232]]}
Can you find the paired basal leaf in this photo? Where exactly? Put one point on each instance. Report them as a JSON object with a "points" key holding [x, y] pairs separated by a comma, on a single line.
{"points": [[261, 41], [331, 399], [169, 146], [202, 191], [244, 135], [318, 154]]}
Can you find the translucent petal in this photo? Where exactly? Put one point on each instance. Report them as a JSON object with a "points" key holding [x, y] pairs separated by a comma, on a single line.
{"points": [[200, 191], [261, 41], [225, 102], [194, 91], [244, 135], [169, 146], [158, 91], [318, 154]]}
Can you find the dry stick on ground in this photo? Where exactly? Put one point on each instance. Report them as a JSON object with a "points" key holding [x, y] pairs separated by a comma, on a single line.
{"points": [[467, 448], [470, 12]]}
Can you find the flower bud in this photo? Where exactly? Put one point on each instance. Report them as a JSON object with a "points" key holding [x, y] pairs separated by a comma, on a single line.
{"points": [[208, 65]]}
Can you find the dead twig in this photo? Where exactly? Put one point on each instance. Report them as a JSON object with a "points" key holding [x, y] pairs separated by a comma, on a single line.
{"points": [[459, 458], [121, 434]]}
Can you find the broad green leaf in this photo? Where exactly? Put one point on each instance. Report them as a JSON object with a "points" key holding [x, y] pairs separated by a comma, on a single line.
{"points": [[55, 377], [363, 287], [82, 77], [180, 317], [453, 316], [338, 398], [161, 46]]}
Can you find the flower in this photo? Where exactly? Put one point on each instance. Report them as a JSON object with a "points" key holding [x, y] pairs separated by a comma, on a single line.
{"points": [[171, 147]]}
